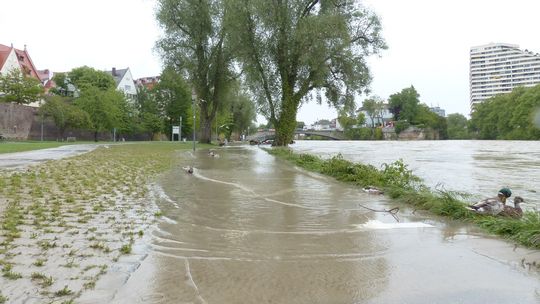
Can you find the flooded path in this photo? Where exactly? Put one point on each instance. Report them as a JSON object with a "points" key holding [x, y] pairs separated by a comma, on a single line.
{"points": [[23, 159], [249, 228]]}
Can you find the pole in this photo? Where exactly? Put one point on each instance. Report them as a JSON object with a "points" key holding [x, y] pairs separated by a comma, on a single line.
{"points": [[180, 133], [41, 127], [193, 96]]}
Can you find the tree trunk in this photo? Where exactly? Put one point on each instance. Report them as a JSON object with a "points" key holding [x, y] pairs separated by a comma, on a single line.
{"points": [[95, 136], [286, 124], [206, 131]]}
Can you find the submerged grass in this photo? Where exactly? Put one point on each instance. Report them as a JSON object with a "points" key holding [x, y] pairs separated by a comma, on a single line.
{"points": [[401, 184], [89, 200]]}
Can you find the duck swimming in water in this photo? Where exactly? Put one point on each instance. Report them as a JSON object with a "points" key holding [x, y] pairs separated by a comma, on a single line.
{"points": [[372, 190], [492, 206], [189, 169], [513, 212]]}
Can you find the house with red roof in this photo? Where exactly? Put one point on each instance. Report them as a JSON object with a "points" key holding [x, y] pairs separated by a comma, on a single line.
{"points": [[15, 59], [12, 58]]}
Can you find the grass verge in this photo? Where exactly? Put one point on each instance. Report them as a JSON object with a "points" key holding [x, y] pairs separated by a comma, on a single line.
{"points": [[401, 184], [12, 147]]}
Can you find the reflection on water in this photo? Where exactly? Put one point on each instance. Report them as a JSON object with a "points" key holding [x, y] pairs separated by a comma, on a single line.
{"points": [[247, 228], [479, 168]]}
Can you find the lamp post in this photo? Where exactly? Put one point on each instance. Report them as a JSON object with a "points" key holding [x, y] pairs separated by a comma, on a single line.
{"points": [[193, 97]]}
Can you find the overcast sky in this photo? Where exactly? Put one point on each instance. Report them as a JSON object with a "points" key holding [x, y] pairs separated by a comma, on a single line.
{"points": [[428, 41]]}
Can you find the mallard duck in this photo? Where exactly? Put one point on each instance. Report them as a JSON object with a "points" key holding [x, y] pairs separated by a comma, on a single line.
{"points": [[491, 206], [188, 169], [514, 212], [372, 190]]}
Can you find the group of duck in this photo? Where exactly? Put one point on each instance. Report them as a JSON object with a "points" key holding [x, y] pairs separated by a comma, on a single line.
{"points": [[489, 206], [497, 205]]}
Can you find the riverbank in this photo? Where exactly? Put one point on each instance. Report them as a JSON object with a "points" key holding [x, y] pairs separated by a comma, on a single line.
{"points": [[401, 184], [69, 223]]}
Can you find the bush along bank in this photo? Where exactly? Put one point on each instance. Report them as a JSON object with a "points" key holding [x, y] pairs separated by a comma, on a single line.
{"points": [[401, 184]]}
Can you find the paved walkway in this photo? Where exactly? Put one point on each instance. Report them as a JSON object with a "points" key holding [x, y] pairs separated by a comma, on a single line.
{"points": [[23, 159]]}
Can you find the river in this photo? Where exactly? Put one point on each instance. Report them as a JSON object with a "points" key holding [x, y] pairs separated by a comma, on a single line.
{"points": [[479, 168], [246, 227]]}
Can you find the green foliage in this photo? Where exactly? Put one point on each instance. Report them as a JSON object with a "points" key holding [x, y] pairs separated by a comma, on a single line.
{"points": [[84, 78], [172, 100], [404, 105], [19, 88], [64, 114], [289, 48], [125, 249], [401, 125], [508, 116], [374, 107], [105, 108], [194, 43], [457, 126]]}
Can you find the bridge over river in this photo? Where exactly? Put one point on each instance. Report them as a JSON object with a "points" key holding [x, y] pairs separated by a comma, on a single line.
{"points": [[270, 134]]}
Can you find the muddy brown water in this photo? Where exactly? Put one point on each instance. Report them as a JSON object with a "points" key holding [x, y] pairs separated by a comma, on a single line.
{"points": [[249, 228]]}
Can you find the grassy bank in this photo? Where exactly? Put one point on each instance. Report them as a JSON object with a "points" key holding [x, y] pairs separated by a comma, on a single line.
{"points": [[401, 184], [65, 222], [11, 147]]}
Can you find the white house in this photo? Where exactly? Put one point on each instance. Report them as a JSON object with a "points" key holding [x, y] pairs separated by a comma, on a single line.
{"points": [[381, 118], [124, 82]]}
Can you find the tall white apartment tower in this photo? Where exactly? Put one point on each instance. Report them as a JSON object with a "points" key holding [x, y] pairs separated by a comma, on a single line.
{"points": [[498, 68]]}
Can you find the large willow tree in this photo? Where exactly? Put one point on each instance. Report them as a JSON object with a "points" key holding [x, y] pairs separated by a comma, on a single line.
{"points": [[194, 43], [290, 49]]}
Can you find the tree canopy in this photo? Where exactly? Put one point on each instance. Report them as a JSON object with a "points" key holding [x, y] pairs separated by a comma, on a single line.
{"points": [[508, 116], [194, 43], [64, 114], [19, 88], [288, 49]]}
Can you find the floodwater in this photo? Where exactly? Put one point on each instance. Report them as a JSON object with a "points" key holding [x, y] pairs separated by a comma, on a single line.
{"points": [[246, 227], [479, 168]]}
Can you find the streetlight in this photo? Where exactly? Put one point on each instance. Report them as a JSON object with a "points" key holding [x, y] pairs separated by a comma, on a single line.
{"points": [[193, 97]]}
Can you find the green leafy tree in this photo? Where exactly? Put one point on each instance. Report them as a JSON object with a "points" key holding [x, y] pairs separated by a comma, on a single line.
{"points": [[19, 88], [507, 116], [373, 107], [86, 77], [457, 126], [242, 111], [64, 114], [195, 44], [103, 107], [172, 101], [404, 105], [289, 49]]}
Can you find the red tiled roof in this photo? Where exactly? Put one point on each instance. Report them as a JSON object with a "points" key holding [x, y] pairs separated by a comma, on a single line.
{"points": [[27, 66], [4, 53]]}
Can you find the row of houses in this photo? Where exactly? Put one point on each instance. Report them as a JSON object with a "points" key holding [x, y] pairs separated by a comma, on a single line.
{"points": [[12, 58]]}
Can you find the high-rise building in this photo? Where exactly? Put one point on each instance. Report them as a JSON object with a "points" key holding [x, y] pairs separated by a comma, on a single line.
{"points": [[498, 68]]}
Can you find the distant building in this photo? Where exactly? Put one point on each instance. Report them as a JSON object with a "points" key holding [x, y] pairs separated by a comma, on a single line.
{"points": [[498, 68], [322, 124], [379, 119], [124, 82], [148, 82], [439, 111]]}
